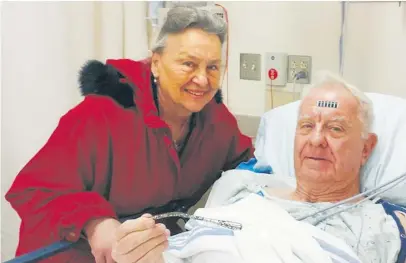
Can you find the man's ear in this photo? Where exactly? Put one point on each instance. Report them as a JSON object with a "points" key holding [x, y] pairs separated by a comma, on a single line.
{"points": [[369, 146], [155, 61]]}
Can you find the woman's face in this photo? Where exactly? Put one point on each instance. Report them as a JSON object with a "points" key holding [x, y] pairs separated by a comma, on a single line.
{"points": [[188, 69]]}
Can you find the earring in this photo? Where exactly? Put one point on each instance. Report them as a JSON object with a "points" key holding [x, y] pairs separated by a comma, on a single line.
{"points": [[154, 80]]}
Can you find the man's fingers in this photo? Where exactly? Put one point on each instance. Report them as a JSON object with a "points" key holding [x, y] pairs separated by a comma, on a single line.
{"points": [[134, 225], [109, 259], [153, 244], [155, 255], [159, 258], [147, 215], [147, 251], [100, 258], [136, 239]]}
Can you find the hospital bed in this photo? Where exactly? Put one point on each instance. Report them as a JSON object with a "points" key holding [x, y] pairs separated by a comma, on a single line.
{"points": [[274, 149], [274, 144]]}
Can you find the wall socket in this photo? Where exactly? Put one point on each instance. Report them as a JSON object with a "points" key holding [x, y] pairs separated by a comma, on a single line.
{"points": [[250, 66], [299, 63]]}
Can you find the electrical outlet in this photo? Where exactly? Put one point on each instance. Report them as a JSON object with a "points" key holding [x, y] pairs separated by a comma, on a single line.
{"points": [[299, 63], [292, 73], [250, 66]]}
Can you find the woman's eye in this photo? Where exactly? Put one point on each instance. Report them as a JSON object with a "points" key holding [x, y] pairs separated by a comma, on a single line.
{"points": [[189, 64], [213, 67]]}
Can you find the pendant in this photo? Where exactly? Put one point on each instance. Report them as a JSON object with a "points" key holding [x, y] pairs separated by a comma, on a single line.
{"points": [[177, 146]]}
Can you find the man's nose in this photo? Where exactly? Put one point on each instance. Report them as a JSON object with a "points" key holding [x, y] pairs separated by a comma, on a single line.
{"points": [[317, 138]]}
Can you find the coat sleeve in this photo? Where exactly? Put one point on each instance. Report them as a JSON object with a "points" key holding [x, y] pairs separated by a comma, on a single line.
{"points": [[54, 194], [241, 148]]}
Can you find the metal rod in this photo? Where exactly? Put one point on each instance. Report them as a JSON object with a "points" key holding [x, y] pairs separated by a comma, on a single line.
{"points": [[223, 223]]}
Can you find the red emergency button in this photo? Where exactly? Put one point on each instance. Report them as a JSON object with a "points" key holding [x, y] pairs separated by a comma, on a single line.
{"points": [[272, 74]]}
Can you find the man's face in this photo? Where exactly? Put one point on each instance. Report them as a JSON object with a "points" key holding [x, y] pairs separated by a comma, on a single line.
{"points": [[328, 144]]}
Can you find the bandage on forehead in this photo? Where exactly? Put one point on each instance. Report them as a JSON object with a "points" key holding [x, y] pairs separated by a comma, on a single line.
{"points": [[327, 104]]}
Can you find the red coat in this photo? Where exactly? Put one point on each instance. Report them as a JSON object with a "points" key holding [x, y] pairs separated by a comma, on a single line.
{"points": [[111, 156]]}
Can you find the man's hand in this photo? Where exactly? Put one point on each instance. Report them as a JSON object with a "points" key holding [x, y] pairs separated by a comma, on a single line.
{"points": [[141, 241], [101, 236], [402, 218]]}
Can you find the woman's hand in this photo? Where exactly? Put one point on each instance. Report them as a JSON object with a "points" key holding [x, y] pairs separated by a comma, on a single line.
{"points": [[101, 236], [141, 241]]}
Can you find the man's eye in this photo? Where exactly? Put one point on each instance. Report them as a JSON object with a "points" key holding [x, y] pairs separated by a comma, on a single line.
{"points": [[336, 129], [306, 126]]}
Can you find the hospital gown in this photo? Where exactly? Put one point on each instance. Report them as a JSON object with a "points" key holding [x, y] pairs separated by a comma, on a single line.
{"points": [[371, 233]]}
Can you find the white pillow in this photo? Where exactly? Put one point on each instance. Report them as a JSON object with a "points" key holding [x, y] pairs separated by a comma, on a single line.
{"points": [[275, 140]]}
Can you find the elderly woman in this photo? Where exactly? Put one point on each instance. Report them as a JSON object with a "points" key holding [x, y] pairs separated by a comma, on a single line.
{"points": [[149, 134], [332, 143]]}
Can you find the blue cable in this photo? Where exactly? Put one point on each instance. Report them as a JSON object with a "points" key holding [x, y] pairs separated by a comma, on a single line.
{"points": [[52, 249]]}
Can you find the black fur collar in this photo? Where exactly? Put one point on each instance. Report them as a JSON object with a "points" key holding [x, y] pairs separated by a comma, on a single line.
{"points": [[103, 79]]}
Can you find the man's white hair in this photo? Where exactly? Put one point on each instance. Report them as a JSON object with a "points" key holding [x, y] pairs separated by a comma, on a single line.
{"points": [[365, 114]]}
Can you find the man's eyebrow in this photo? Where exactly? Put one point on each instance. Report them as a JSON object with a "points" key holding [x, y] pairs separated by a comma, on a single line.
{"points": [[304, 117], [340, 119]]}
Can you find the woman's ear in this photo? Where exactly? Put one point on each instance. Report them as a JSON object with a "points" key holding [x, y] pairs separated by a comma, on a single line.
{"points": [[155, 61]]}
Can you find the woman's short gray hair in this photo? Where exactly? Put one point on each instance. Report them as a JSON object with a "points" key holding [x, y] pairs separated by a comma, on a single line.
{"points": [[181, 18], [365, 114]]}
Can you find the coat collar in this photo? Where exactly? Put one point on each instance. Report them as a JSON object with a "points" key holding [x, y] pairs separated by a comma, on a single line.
{"points": [[130, 84]]}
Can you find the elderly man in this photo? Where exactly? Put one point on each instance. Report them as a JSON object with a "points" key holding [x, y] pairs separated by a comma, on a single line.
{"points": [[332, 143]]}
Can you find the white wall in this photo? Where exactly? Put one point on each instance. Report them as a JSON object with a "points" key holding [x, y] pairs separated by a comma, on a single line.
{"points": [[375, 58], [45, 43], [38, 86], [374, 51]]}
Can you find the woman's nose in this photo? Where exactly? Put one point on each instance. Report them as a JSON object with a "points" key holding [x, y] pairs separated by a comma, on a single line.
{"points": [[201, 80]]}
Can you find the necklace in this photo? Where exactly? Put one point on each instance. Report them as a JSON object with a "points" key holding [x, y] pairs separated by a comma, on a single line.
{"points": [[179, 143], [178, 146]]}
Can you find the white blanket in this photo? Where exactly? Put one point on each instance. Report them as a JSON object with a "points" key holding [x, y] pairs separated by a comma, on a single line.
{"points": [[367, 229], [269, 234]]}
